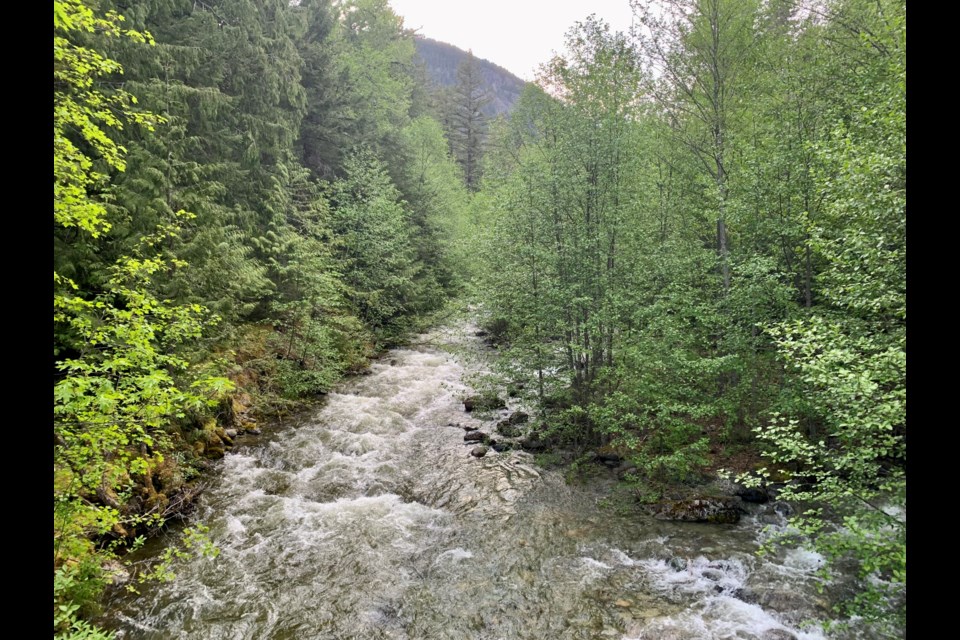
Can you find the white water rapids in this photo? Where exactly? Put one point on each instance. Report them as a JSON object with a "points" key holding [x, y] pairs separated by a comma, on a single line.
{"points": [[370, 519]]}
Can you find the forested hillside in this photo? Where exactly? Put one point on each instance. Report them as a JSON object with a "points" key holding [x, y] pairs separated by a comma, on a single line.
{"points": [[442, 60], [688, 243]]}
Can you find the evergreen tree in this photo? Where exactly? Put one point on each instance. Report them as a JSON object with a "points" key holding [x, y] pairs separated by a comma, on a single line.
{"points": [[468, 123]]}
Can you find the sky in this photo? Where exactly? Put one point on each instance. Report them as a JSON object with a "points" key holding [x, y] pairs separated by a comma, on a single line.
{"points": [[518, 35]]}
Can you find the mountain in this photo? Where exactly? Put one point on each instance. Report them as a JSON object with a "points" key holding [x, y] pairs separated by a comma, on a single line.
{"points": [[441, 61]]}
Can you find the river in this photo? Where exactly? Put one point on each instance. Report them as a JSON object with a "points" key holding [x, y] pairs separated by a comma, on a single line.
{"points": [[370, 519]]}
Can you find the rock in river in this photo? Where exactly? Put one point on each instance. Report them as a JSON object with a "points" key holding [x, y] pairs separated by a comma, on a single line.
{"points": [[713, 509]]}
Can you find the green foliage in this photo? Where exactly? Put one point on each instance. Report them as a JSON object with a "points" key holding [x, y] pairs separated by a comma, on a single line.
{"points": [[849, 357], [113, 400], [81, 111], [123, 377], [723, 260], [374, 245], [689, 234], [193, 542]]}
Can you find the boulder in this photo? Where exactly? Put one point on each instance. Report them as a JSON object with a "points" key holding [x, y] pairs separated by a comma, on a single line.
{"points": [[777, 634], [533, 443], [609, 460], [483, 402], [478, 452], [712, 509], [782, 508], [627, 470], [518, 417], [757, 495], [476, 436], [746, 594], [507, 430]]}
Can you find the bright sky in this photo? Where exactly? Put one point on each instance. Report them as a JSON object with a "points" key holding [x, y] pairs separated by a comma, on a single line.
{"points": [[518, 35]]}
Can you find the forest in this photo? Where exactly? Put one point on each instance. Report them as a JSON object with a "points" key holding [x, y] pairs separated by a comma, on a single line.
{"points": [[687, 242]]}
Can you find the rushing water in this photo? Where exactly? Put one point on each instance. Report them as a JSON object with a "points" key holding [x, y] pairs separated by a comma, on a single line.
{"points": [[372, 520]]}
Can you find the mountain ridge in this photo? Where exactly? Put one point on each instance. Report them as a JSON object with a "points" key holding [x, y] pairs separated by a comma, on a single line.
{"points": [[441, 60]]}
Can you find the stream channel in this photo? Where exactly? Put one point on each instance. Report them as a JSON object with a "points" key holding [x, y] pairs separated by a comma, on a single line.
{"points": [[370, 519]]}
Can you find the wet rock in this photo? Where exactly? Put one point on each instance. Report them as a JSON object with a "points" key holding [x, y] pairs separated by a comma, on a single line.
{"points": [[476, 436], [757, 495], [792, 603], [609, 460], [253, 431], [712, 509], [626, 470], [677, 564], [777, 634], [231, 433], [215, 452], [500, 447], [746, 594], [469, 427], [518, 417], [533, 443], [507, 430], [483, 402], [116, 573], [712, 574], [782, 508], [478, 452]]}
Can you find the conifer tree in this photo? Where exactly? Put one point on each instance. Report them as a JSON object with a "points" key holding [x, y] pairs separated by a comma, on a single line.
{"points": [[468, 123]]}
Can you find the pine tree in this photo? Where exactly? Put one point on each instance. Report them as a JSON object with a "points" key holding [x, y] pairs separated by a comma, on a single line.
{"points": [[467, 121]]}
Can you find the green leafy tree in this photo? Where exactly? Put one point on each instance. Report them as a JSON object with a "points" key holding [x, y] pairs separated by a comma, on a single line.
{"points": [[122, 378], [848, 355]]}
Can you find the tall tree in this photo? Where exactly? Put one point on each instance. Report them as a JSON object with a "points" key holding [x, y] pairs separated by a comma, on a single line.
{"points": [[467, 120], [701, 51], [848, 354], [123, 375]]}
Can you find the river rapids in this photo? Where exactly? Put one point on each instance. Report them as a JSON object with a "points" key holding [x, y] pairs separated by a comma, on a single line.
{"points": [[370, 519]]}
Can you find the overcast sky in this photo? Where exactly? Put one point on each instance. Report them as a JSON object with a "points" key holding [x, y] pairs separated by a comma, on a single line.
{"points": [[518, 35]]}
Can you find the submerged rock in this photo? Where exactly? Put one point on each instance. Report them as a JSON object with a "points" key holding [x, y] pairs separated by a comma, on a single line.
{"points": [[712, 509], [746, 594], [777, 634]]}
